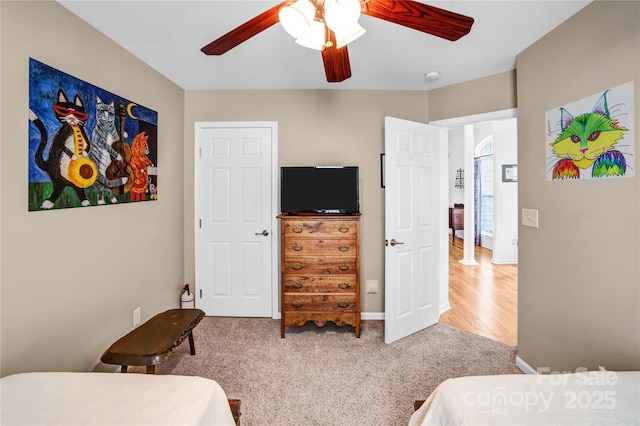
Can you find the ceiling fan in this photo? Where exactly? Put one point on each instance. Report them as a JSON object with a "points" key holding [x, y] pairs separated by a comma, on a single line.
{"points": [[319, 16]]}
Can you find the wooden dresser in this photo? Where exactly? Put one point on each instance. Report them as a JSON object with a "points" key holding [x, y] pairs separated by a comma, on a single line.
{"points": [[320, 266], [456, 219]]}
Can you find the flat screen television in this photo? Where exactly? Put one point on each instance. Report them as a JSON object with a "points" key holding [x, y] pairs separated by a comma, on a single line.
{"points": [[319, 189]]}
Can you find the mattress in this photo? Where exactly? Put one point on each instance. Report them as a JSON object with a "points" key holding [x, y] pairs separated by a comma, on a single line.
{"points": [[112, 399], [582, 398]]}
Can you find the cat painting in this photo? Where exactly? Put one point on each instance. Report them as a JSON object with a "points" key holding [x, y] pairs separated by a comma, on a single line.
{"points": [[68, 164], [140, 164], [589, 141], [101, 152], [79, 151]]}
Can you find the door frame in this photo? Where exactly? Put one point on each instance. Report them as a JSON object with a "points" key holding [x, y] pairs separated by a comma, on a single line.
{"points": [[461, 121], [274, 197], [470, 120]]}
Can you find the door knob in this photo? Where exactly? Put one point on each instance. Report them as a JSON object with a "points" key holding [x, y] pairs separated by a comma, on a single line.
{"points": [[263, 233], [393, 242]]}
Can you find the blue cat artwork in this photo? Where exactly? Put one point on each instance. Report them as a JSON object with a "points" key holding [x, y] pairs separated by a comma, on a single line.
{"points": [[80, 144]]}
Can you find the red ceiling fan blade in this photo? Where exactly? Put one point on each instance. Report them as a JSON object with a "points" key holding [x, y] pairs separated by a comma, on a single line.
{"points": [[336, 61], [245, 31], [421, 17]]}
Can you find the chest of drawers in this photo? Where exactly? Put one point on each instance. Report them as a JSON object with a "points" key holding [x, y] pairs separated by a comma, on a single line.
{"points": [[320, 267]]}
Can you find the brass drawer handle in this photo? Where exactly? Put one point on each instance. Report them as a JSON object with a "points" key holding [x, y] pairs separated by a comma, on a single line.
{"points": [[343, 285], [297, 303], [296, 229], [297, 285], [297, 266], [343, 229], [343, 305], [343, 248], [297, 247], [343, 267]]}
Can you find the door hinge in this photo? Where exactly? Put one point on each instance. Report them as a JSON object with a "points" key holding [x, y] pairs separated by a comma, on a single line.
{"points": [[200, 293], [200, 223], [200, 150]]}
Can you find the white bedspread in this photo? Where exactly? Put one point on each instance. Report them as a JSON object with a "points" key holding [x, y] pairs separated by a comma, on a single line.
{"points": [[583, 398], [111, 399]]}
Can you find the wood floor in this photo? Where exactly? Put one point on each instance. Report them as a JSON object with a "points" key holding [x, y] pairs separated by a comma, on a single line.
{"points": [[483, 297]]}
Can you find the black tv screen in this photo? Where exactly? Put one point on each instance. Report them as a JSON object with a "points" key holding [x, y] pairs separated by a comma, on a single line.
{"points": [[319, 189]]}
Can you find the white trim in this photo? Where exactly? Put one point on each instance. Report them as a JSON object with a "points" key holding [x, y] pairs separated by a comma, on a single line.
{"points": [[275, 198], [526, 368], [372, 316], [505, 261], [477, 118], [445, 308]]}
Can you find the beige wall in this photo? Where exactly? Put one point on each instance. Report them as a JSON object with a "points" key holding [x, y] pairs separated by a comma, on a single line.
{"points": [[71, 278], [488, 94], [314, 127], [579, 277]]}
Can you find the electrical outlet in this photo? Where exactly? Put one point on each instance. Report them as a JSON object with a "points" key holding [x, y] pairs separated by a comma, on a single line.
{"points": [[136, 316], [372, 286]]}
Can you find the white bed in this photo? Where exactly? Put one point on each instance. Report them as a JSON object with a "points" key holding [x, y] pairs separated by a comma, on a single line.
{"points": [[582, 398], [112, 399]]}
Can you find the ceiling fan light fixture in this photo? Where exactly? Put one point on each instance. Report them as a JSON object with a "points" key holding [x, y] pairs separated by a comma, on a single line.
{"points": [[315, 38], [341, 14], [344, 37], [297, 19]]}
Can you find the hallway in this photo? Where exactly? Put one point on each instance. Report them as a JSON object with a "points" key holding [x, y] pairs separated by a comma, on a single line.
{"points": [[483, 297]]}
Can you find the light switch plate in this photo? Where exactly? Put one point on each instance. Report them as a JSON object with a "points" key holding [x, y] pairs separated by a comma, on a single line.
{"points": [[530, 218]]}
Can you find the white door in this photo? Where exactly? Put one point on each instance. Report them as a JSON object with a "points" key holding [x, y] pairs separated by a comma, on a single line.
{"points": [[234, 218], [415, 229]]}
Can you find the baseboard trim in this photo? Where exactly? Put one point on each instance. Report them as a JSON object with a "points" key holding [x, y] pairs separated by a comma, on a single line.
{"points": [[444, 308], [524, 366], [504, 261]]}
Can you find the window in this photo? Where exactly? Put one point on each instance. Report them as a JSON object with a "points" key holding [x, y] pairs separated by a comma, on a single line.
{"points": [[484, 157]]}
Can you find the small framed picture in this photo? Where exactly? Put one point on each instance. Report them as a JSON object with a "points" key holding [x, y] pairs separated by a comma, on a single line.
{"points": [[509, 172], [382, 170]]}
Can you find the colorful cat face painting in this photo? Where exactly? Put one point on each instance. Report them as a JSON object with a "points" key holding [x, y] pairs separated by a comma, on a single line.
{"points": [[588, 141]]}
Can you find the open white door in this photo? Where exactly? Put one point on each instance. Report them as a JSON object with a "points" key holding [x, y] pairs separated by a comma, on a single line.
{"points": [[235, 231], [416, 254]]}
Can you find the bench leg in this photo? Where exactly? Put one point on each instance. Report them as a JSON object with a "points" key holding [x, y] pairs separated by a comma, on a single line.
{"points": [[235, 410], [192, 345], [123, 369]]}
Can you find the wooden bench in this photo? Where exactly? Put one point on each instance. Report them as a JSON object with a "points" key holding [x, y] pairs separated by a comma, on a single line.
{"points": [[152, 342]]}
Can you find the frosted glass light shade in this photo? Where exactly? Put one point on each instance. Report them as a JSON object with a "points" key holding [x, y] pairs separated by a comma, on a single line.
{"points": [[341, 14], [346, 36], [297, 18], [315, 37]]}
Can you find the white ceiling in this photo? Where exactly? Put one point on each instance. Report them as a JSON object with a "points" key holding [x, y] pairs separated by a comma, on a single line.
{"points": [[168, 35]]}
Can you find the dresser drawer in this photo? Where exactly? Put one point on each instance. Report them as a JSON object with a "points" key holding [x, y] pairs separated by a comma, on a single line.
{"points": [[321, 228], [320, 302], [312, 247], [319, 265], [331, 284]]}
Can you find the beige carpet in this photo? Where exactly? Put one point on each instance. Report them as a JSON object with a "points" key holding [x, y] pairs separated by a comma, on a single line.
{"points": [[326, 376]]}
